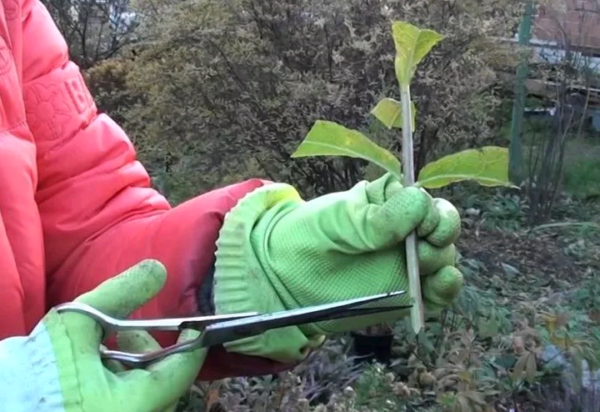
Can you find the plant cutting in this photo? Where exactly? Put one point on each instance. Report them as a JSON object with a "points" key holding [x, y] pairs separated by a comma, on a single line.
{"points": [[487, 166]]}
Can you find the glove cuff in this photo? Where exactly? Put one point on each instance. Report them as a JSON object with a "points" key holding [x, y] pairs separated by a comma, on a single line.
{"points": [[68, 373], [241, 284], [37, 373]]}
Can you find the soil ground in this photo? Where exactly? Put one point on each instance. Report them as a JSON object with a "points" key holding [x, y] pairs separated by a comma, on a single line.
{"points": [[517, 260]]}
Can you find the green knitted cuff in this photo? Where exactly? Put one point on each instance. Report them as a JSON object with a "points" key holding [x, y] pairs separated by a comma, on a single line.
{"points": [[68, 372], [241, 285]]}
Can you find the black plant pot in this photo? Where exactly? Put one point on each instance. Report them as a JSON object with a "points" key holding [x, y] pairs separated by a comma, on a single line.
{"points": [[372, 347]]}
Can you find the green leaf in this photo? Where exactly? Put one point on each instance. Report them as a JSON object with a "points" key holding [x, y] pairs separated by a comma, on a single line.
{"points": [[488, 166], [506, 361], [389, 112], [519, 367], [331, 139], [531, 368], [412, 45]]}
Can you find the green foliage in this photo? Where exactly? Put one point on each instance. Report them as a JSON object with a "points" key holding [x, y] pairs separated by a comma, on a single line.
{"points": [[581, 178], [215, 84], [503, 211], [485, 353], [588, 297], [389, 112], [331, 139], [108, 83], [487, 166], [378, 389]]}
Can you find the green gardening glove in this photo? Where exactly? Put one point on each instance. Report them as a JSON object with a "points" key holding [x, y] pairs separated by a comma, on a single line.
{"points": [[277, 252], [61, 365]]}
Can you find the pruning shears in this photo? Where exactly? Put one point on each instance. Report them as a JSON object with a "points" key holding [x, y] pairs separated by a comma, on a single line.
{"points": [[219, 329]]}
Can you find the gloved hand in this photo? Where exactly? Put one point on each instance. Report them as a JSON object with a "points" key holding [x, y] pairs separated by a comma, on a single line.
{"points": [[277, 252], [58, 366]]}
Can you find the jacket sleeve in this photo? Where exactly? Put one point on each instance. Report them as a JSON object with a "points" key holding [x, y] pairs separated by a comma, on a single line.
{"points": [[98, 211]]}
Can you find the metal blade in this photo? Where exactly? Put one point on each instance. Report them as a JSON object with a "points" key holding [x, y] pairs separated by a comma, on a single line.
{"points": [[238, 329], [228, 331]]}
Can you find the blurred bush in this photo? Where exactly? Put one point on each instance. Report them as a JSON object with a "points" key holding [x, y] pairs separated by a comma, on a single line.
{"points": [[222, 91]]}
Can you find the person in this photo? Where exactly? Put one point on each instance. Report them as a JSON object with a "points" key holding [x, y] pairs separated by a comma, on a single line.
{"points": [[79, 220]]}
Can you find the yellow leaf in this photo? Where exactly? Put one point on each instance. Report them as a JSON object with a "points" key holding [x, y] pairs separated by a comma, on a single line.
{"points": [[465, 376], [550, 321]]}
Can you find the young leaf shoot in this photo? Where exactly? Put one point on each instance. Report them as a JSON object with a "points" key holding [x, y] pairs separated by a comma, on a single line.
{"points": [[487, 166], [412, 45]]}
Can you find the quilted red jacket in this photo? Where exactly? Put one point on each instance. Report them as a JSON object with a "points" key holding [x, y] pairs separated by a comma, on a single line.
{"points": [[76, 207]]}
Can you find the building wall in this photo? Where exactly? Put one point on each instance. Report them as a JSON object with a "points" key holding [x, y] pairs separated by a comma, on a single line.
{"points": [[569, 22]]}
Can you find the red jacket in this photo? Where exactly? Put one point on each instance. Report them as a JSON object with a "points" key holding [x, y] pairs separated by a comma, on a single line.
{"points": [[76, 207]]}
